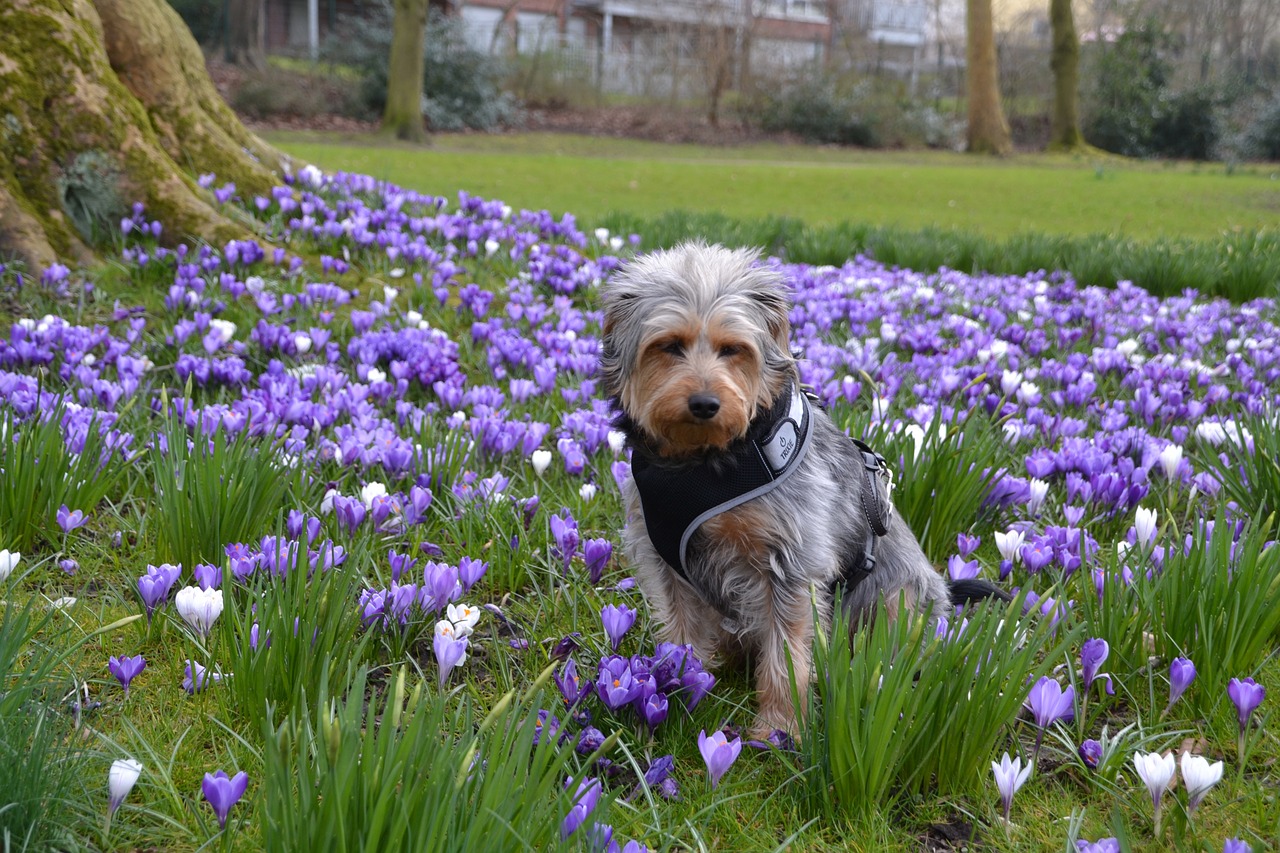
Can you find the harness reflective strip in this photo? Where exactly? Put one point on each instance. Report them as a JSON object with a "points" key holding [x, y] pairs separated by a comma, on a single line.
{"points": [[779, 459]]}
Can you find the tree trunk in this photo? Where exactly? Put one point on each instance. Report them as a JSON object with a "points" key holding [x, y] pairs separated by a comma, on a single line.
{"points": [[1064, 129], [246, 33], [403, 115], [988, 130], [107, 103]]}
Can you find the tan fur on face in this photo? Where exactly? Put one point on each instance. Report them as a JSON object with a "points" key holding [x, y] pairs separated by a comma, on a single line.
{"points": [[712, 358]]}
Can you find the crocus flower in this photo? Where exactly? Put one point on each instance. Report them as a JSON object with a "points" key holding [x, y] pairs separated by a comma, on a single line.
{"points": [[596, 554], [121, 778], [654, 710], [719, 753], [1181, 673], [69, 565], [541, 460], [198, 607], [197, 678], [8, 561], [1247, 694], [1092, 655], [1199, 776], [1235, 845], [572, 687], [584, 802], [464, 618], [1049, 703], [1010, 776], [69, 520], [1156, 772], [1102, 845], [1090, 753], [223, 792], [450, 649], [617, 619], [208, 576], [126, 669], [1144, 527]]}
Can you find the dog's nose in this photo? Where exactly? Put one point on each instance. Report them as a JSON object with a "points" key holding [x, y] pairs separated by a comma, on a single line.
{"points": [[704, 406]]}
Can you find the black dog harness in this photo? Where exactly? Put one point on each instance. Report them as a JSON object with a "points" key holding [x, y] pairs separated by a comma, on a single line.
{"points": [[677, 500]]}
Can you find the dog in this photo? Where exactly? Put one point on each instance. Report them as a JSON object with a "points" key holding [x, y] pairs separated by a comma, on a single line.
{"points": [[744, 496]]}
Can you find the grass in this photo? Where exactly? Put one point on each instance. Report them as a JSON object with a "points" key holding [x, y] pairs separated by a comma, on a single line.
{"points": [[593, 177], [348, 706]]}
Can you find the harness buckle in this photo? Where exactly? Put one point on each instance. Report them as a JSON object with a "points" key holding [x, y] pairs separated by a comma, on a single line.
{"points": [[873, 461]]}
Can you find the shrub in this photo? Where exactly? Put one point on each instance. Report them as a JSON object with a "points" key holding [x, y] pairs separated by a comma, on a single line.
{"points": [[1125, 96], [817, 108], [1260, 139], [203, 17], [460, 84], [1186, 125]]}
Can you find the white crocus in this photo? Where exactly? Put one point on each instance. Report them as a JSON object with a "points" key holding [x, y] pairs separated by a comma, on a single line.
{"points": [[1039, 491], [63, 603], [464, 618], [491, 247], [375, 375], [1156, 772], [1009, 382], [617, 440], [302, 342], [587, 491], [8, 562], [198, 607], [1211, 432], [1009, 545], [540, 459], [370, 491], [225, 329], [1199, 776], [389, 294], [326, 503], [602, 235], [121, 778], [1145, 522], [916, 433], [1170, 458]]}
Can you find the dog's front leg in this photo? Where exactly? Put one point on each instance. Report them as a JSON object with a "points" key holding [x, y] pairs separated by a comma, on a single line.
{"points": [[788, 633]]}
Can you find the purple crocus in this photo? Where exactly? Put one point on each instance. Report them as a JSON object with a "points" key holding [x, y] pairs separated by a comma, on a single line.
{"points": [[1102, 845], [470, 571], [197, 677], [69, 565], [450, 649], [572, 687], [1092, 655], [1247, 694], [154, 586], [223, 792], [1090, 753], [596, 554], [618, 620], [126, 669], [719, 753], [1181, 673], [584, 802], [1235, 845], [208, 576], [616, 685], [654, 710], [564, 530], [69, 520], [1049, 703]]}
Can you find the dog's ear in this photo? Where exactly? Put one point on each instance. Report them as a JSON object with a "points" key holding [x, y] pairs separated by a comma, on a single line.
{"points": [[769, 290]]}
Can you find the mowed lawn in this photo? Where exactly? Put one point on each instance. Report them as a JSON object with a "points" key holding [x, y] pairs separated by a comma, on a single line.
{"points": [[590, 177]]}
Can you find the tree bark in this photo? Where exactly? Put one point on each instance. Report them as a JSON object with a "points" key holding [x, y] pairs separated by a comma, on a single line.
{"points": [[246, 33], [1064, 128], [988, 130], [403, 115], [107, 103]]}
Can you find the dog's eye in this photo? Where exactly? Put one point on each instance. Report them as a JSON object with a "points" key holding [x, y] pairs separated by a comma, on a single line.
{"points": [[675, 348], [729, 350]]}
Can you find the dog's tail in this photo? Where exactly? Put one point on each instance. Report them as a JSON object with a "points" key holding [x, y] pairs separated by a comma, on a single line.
{"points": [[972, 591]]}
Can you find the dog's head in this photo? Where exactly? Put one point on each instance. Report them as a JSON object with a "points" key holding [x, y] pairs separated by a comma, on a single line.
{"points": [[696, 342]]}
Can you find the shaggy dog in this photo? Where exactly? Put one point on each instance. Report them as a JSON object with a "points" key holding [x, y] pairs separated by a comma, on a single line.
{"points": [[746, 504]]}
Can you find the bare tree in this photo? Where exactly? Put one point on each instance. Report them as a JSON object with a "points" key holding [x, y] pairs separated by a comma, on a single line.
{"points": [[402, 117], [988, 129], [246, 33], [1064, 128]]}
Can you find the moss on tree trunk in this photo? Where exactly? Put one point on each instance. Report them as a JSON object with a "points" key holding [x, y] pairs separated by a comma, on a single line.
{"points": [[1064, 133], [988, 130], [102, 104], [402, 117]]}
